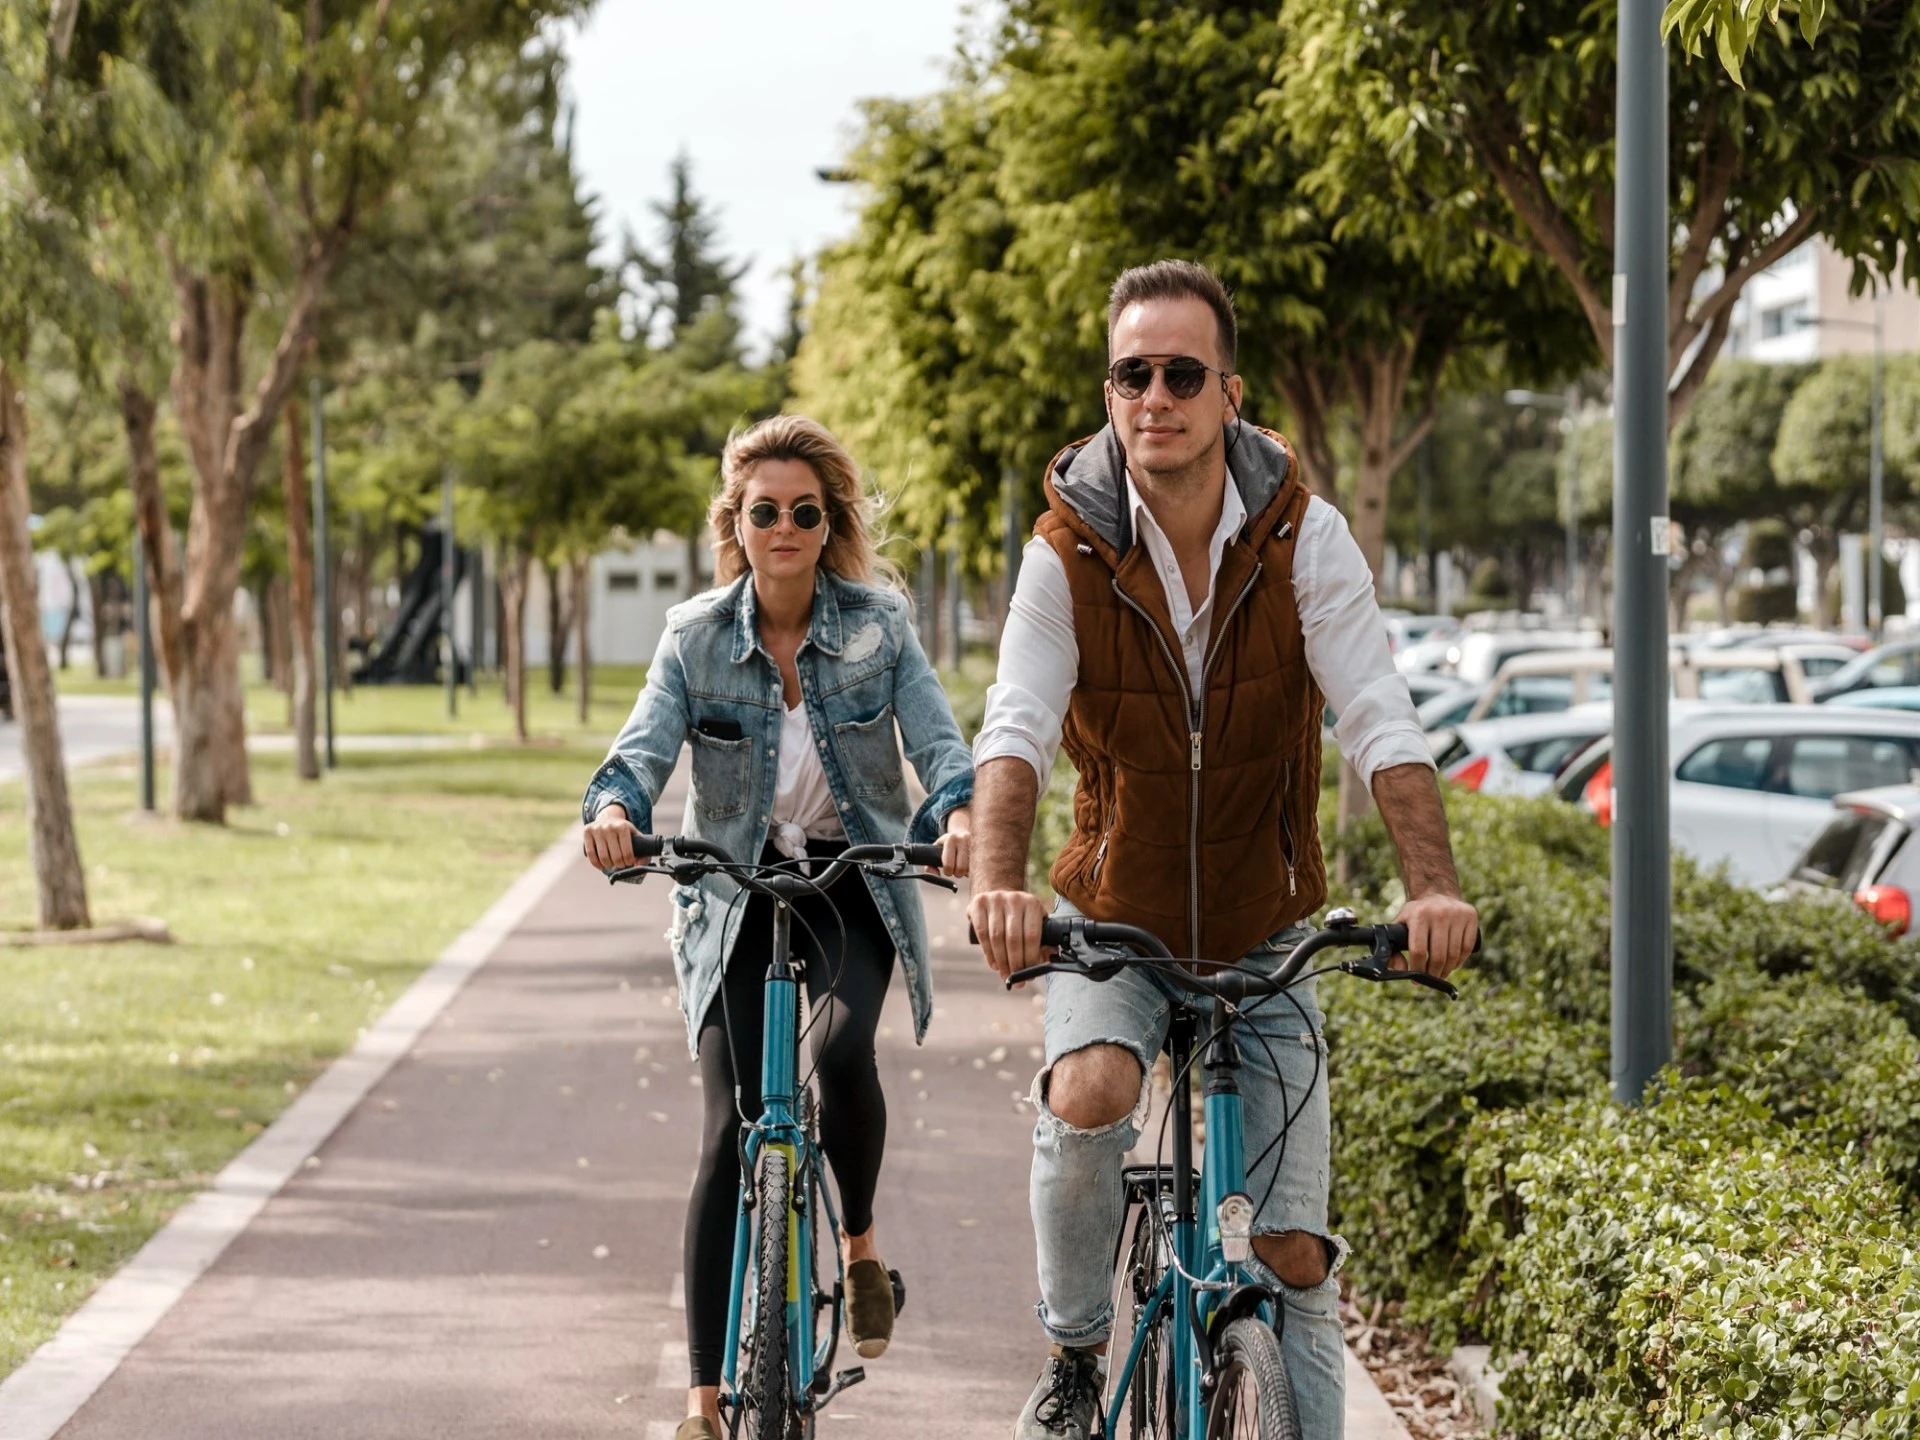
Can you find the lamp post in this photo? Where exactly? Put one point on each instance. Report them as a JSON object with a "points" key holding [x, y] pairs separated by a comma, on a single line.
{"points": [[1642, 945], [1565, 404], [1876, 471]]}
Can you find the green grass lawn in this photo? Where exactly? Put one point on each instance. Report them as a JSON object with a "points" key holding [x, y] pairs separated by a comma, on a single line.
{"points": [[130, 1074], [422, 709]]}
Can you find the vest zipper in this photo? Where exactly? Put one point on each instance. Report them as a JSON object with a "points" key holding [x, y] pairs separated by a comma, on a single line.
{"points": [[1286, 825], [1100, 855]]}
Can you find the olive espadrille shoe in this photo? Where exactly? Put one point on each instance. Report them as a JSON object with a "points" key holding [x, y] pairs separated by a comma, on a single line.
{"points": [[874, 1294]]}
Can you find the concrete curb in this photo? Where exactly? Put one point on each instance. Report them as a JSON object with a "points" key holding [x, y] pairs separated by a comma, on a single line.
{"points": [[49, 1389], [1471, 1366], [1369, 1416]]}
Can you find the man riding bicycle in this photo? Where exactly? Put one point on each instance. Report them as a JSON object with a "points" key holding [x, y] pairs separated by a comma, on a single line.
{"points": [[1183, 613]]}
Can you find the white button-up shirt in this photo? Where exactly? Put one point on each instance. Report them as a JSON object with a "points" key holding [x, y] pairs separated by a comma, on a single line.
{"points": [[1346, 643]]}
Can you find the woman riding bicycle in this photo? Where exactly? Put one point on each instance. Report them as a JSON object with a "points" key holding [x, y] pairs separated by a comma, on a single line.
{"points": [[788, 682]]}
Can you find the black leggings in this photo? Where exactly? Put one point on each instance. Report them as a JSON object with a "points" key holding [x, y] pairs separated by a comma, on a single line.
{"points": [[853, 1111]]}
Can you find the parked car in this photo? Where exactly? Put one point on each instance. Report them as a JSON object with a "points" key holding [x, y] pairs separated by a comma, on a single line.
{"points": [[1404, 628], [1891, 697], [1557, 679], [1448, 707], [1518, 755], [1862, 853], [1884, 666], [1481, 653], [1752, 784], [1768, 637]]}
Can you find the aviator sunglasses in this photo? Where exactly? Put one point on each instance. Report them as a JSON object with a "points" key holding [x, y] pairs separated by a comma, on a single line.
{"points": [[764, 515], [1133, 374]]}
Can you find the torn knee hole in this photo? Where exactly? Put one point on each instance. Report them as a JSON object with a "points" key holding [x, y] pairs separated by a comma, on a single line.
{"points": [[1299, 1258]]}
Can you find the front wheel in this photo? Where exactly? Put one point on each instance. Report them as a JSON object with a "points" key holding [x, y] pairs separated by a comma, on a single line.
{"points": [[769, 1392], [1252, 1399]]}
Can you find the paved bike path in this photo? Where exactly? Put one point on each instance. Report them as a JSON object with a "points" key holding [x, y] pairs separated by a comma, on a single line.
{"points": [[489, 1245]]}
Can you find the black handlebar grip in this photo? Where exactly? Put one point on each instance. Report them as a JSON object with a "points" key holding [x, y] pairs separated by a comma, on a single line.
{"points": [[1395, 936], [927, 855], [1055, 932], [648, 847]]}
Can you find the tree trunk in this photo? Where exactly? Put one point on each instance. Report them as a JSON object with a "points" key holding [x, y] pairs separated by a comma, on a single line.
{"points": [[513, 595], [60, 882], [1306, 392], [559, 621], [1825, 546], [582, 580], [97, 594], [1378, 384], [695, 539], [75, 583], [300, 572]]}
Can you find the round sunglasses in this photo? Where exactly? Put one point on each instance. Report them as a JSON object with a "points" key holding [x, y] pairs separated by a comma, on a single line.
{"points": [[764, 515], [1133, 374]]}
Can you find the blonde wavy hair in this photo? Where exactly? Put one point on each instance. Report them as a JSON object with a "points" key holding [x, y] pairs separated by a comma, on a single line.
{"points": [[852, 549]]}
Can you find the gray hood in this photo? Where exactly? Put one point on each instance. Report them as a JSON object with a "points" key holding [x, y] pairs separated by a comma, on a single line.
{"points": [[1091, 480]]}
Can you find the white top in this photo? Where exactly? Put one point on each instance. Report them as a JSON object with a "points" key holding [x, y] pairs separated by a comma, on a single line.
{"points": [[1346, 642], [803, 807]]}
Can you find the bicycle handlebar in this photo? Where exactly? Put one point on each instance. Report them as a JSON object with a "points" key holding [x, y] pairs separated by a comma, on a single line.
{"points": [[696, 857], [1228, 981]]}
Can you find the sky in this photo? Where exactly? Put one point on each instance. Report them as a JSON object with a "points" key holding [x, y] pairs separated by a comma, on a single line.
{"points": [[760, 93]]}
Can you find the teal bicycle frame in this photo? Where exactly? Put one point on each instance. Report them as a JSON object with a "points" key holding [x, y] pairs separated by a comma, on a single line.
{"points": [[784, 1124], [1206, 1285], [1224, 1290], [780, 1128]]}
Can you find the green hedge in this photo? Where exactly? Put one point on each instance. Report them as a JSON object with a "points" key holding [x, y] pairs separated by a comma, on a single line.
{"points": [[1690, 1268], [1795, 1038]]}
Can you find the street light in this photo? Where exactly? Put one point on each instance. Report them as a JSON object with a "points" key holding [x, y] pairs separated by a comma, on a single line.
{"points": [[1565, 405], [1876, 486]]}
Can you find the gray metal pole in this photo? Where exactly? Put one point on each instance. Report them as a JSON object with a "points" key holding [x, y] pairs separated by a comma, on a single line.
{"points": [[929, 604], [1571, 480], [1876, 534], [953, 606], [477, 616], [323, 562], [1010, 538], [143, 631], [1642, 887], [446, 591]]}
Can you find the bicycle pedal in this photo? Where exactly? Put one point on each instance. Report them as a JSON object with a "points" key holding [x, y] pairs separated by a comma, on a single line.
{"points": [[899, 1291], [842, 1380]]}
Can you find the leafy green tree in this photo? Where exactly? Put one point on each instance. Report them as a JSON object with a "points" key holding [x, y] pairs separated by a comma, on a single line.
{"points": [[1735, 26], [1822, 455], [1520, 100], [306, 116]]}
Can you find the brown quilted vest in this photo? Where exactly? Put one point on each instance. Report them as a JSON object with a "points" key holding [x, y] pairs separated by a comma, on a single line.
{"points": [[1196, 821]]}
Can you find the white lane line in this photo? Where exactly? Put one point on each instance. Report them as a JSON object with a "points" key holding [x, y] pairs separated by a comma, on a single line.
{"points": [[677, 1297], [61, 1376]]}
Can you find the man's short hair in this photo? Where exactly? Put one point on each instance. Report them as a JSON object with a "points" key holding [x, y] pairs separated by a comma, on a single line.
{"points": [[1177, 280]]}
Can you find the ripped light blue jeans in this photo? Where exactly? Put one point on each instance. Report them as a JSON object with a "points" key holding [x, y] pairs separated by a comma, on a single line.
{"points": [[1079, 1202]]}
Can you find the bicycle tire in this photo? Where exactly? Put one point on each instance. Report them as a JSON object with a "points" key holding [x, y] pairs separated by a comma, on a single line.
{"points": [[1150, 1413], [769, 1389], [1252, 1399]]}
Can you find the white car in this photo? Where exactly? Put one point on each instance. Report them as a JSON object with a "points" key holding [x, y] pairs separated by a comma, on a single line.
{"points": [[1752, 784], [1863, 853], [1519, 755]]}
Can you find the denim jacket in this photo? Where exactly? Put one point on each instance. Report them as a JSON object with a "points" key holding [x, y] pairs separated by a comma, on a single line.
{"points": [[861, 671]]}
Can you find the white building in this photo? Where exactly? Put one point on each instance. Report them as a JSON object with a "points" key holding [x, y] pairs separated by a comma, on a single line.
{"points": [[1789, 312], [628, 595]]}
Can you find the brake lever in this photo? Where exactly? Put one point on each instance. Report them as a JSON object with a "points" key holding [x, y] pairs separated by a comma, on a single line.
{"points": [[941, 880], [1376, 969]]}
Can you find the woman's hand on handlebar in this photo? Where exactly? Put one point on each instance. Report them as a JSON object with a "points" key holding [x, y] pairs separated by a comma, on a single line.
{"points": [[608, 841], [1441, 933], [1007, 925], [957, 844]]}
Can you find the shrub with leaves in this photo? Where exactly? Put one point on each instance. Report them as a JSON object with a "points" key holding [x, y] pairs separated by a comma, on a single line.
{"points": [[1687, 1269]]}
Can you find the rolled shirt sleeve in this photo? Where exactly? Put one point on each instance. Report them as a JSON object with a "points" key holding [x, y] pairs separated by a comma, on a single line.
{"points": [[1347, 650], [1039, 663]]}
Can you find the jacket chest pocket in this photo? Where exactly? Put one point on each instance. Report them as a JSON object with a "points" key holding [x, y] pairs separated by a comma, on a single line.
{"points": [[722, 775], [870, 751]]}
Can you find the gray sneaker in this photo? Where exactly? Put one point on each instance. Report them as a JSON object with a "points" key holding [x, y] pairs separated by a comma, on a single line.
{"points": [[1063, 1405]]}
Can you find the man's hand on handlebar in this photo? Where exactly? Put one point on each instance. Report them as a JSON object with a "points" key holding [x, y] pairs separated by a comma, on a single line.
{"points": [[608, 842], [1441, 933], [1007, 924]]}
